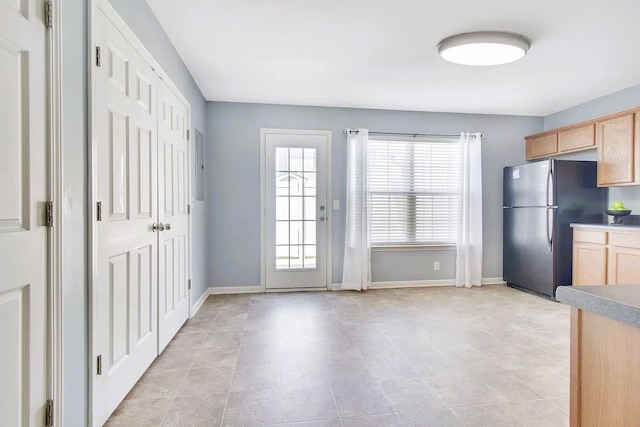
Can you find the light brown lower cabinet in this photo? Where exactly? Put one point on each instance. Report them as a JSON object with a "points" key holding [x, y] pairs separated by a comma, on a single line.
{"points": [[605, 257], [604, 379]]}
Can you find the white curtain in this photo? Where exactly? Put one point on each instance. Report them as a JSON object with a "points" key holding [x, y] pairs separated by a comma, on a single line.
{"points": [[469, 245], [356, 273]]}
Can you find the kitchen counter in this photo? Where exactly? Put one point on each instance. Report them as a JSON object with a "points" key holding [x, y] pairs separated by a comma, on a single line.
{"points": [[617, 302], [604, 354], [608, 227]]}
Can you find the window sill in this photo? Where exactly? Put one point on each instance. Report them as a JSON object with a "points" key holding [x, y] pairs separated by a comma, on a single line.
{"points": [[411, 248]]}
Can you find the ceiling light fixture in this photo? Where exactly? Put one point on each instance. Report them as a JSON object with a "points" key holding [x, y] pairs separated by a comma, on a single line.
{"points": [[484, 48]]}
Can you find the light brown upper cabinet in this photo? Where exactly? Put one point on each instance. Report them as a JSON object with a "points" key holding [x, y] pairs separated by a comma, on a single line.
{"points": [[578, 138], [542, 146], [617, 139]]}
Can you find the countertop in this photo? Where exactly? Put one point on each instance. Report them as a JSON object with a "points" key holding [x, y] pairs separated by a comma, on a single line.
{"points": [[617, 302], [608, 227]]}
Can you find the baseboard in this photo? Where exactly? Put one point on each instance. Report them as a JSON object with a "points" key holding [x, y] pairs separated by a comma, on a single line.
{"points": [[229, 290], [195, 307], [421, 283]]}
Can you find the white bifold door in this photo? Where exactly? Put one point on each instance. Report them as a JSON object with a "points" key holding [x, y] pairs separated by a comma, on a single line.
{"points": [[141, 296], [23, 192]]}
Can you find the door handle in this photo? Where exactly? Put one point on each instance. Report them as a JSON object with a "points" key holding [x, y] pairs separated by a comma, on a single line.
{"points": [[550, 213], [167, 226], [157, 227], [321, 218]]}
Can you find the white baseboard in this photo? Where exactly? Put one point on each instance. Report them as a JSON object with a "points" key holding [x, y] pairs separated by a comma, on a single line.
{"points": [[195, 307], [228, 290], [231, 290], [421, 283]]}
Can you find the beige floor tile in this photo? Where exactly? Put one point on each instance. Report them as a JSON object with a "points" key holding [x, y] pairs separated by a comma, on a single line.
{"points": [[535, 413], [140, 413], [155, 384], [171, 359], [486, 415], [430, 418], [359, 399], [256, 377], [308, 404], [206, 381], [387, 420], [196, 411], [253, 408], [214, 357], [412, 395], [506, 387]]}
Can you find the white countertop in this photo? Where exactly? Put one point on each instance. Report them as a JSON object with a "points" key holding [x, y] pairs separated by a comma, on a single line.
{"points": [[609, 227]]}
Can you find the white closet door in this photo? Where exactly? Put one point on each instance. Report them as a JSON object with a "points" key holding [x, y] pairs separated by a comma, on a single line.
{"points": [[23, 192], [173, 297], [126, 335]]}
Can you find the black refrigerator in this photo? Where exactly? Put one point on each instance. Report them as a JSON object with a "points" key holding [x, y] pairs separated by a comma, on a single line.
{"points": [[540, 200]]}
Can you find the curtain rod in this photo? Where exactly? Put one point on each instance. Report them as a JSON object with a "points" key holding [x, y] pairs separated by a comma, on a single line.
{"points": [[415, 135]]}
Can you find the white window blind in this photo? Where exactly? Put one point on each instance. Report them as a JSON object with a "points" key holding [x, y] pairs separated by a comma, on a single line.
{"points": [[413, 192]]}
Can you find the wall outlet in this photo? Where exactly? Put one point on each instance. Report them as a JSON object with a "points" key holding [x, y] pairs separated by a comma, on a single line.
{"points": [[436, 265]]}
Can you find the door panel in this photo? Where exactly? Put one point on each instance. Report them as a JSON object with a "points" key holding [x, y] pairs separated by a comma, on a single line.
{"points": [[296, 209], [526, 185], [528, 259], [24, 164], [126, 291], [172, 174]]}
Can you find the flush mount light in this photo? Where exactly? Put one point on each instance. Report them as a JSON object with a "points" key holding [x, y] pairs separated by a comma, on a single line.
{"points": [[484, 48]]}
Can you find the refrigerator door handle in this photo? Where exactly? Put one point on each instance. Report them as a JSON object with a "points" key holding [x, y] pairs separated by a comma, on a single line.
{"points": [[550, 220], [550, 196]]}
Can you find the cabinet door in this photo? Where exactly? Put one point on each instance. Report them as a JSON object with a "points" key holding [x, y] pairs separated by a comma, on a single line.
{"points": [[623, 266], [542, 146], [589, 264], [580, 138], [615, 138]]}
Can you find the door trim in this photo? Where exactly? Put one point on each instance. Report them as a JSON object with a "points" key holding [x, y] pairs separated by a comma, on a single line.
{"points": [[55, 315], [95, 7], [263, 201]]}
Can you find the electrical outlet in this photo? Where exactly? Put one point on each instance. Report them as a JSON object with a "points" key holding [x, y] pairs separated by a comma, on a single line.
{"points": [[436, 265]]}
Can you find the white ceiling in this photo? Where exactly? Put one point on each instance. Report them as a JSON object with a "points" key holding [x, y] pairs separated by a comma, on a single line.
{"points": [[382, 54]]}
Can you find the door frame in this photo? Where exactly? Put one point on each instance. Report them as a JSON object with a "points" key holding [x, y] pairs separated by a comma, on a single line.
{"points": [[96, 7], [55, 309], [263, 207]]}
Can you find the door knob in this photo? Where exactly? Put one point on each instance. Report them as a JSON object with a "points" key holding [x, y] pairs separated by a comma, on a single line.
{"points": [[321, 208], [167, 226], [157, 227], [321, 218]]}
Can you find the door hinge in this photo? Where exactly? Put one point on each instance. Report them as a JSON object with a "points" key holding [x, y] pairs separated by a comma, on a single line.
{"points": [[188, 209], [189, 283], [188, 134], [99, 364], [48, 421], [99, 211], [48, 222], [48, 14], [98, 60]]}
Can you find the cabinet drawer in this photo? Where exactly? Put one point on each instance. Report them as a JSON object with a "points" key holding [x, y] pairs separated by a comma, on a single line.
{"points": [[590, 236], [580, 138], [625, 240]]}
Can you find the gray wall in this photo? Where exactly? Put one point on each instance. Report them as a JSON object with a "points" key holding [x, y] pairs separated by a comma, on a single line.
{"points": [[608, 104], [75, 178], [233, 187]]}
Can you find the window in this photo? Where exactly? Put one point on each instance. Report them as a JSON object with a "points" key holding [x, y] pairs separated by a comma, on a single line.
{"points": [[413, 192]]}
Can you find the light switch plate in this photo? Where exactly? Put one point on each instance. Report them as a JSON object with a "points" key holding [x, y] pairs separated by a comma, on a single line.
{"points": [[336, 205]]}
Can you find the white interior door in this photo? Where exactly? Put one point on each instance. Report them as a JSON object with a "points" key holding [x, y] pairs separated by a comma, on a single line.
{"points": [[296, 209], [23, 193], [125, 335], [173, 297]]}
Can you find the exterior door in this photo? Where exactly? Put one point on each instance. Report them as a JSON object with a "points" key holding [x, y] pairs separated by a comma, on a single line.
{"points": [[296, 209], [125, 333], [173, 274], [23, 193]]}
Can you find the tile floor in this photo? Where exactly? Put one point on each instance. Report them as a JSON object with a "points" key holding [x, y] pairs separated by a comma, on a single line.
{"points": [[489, 356]]}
